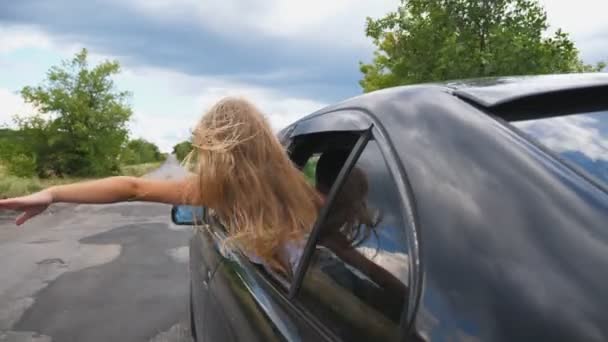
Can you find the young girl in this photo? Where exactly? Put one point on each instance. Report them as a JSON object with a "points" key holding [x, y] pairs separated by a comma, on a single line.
{"points": [[240, 170]]}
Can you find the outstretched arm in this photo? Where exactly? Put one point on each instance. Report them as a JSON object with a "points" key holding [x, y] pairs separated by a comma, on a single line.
{"points": [[107, 190], [119, 189]]}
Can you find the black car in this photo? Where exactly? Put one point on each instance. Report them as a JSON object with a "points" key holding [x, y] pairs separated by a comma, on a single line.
{"points": [[488, 204]]}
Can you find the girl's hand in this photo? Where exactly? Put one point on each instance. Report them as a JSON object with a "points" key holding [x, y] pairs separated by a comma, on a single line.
{"points": [[29, 206]]}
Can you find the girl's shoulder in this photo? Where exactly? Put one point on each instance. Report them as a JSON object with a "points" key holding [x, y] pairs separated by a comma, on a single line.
{"points": [[290, 251], [293, 251]]}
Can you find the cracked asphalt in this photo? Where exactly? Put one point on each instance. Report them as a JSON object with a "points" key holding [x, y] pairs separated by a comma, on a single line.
{"points": [[96, 273]]}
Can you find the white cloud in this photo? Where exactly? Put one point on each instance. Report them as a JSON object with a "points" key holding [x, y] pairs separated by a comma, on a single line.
{"points": [[280, 110], [571, 133], [339, 22], [11, 103], [396, 263], [582, 18], [168, 104], [18, 37], [585, 21]]}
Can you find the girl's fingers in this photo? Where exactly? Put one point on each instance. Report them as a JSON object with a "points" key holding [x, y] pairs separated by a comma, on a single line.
{"points": [[21, 218], [11, 204], [26, 215]]}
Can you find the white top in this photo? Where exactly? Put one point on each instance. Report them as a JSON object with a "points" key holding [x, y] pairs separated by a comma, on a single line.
{"points": [[290, 251]]}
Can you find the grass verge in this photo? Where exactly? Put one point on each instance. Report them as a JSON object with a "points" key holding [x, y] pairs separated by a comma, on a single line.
{"points": [[11, 186], [139, 170]]}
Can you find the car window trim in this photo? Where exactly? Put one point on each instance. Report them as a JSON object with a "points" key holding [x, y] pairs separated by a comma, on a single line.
{"points": [[342, 120], [408, 206], [409, 215], [410, 218], [307, 253]]}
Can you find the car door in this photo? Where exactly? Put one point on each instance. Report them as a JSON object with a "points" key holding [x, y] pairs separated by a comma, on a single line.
{"points": [[249, 303], [248, 306], [203, 263]]}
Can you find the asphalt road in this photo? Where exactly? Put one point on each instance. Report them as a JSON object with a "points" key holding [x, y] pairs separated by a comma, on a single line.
{"points": [[96, 273]]}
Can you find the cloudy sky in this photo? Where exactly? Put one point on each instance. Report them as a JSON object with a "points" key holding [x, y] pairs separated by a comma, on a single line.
{"points": [[180, 56]]}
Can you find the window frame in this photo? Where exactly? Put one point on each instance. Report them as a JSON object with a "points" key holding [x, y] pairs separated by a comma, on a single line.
{"points": [[411, 220], [316, 230], [370, 128]]}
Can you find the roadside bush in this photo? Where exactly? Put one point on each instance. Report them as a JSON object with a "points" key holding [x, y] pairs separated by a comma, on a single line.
{"points": [[80, 124], [21, 165], [139, 170], [182, 149], [140, 151]]}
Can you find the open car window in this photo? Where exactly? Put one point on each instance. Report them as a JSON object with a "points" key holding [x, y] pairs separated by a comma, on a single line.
{"points": [[305, 152], [357, 281], [580, 139]]}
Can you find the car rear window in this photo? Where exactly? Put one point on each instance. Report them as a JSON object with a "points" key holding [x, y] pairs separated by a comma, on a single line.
{"points": [[581, 139]]}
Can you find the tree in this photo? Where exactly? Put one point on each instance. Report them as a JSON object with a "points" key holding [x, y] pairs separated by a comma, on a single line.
{"points": [[140, 151], [182, 149], [9, 138], [12, 154], [435, 40], [81, 124]]}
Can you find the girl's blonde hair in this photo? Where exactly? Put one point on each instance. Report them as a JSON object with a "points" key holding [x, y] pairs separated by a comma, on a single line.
{"points": [[245, 175]]}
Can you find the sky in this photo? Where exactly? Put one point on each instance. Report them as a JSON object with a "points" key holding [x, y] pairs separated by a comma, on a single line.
{"points": [[179, 57]]}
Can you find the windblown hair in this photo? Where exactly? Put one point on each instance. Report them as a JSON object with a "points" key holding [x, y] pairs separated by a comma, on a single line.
{"points": [[350, 215], [245, 175]]}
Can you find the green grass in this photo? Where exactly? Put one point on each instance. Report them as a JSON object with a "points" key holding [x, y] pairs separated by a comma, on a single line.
{"points": [[11, 186], [139, 169]]}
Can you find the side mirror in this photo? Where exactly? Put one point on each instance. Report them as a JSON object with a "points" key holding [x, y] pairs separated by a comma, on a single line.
{"points": [[186, 215]]}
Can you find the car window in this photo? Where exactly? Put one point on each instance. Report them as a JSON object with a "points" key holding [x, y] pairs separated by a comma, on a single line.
{"points": [[356, 282], [581, 139], [292, 252], [305, 152]]}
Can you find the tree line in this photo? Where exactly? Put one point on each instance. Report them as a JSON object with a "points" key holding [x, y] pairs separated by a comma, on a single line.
{"points": [[79, 127], [182, 149], [438, 40]]}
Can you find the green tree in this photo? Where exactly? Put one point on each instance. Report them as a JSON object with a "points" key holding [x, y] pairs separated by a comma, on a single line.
{"points": [[435, 40], [182, 149], [15, 158], [9, 139], [140, 151], [81, 125]]}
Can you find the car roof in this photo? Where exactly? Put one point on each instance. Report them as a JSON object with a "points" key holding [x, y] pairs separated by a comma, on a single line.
{"points": [[514, 98], [491, 92]]}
